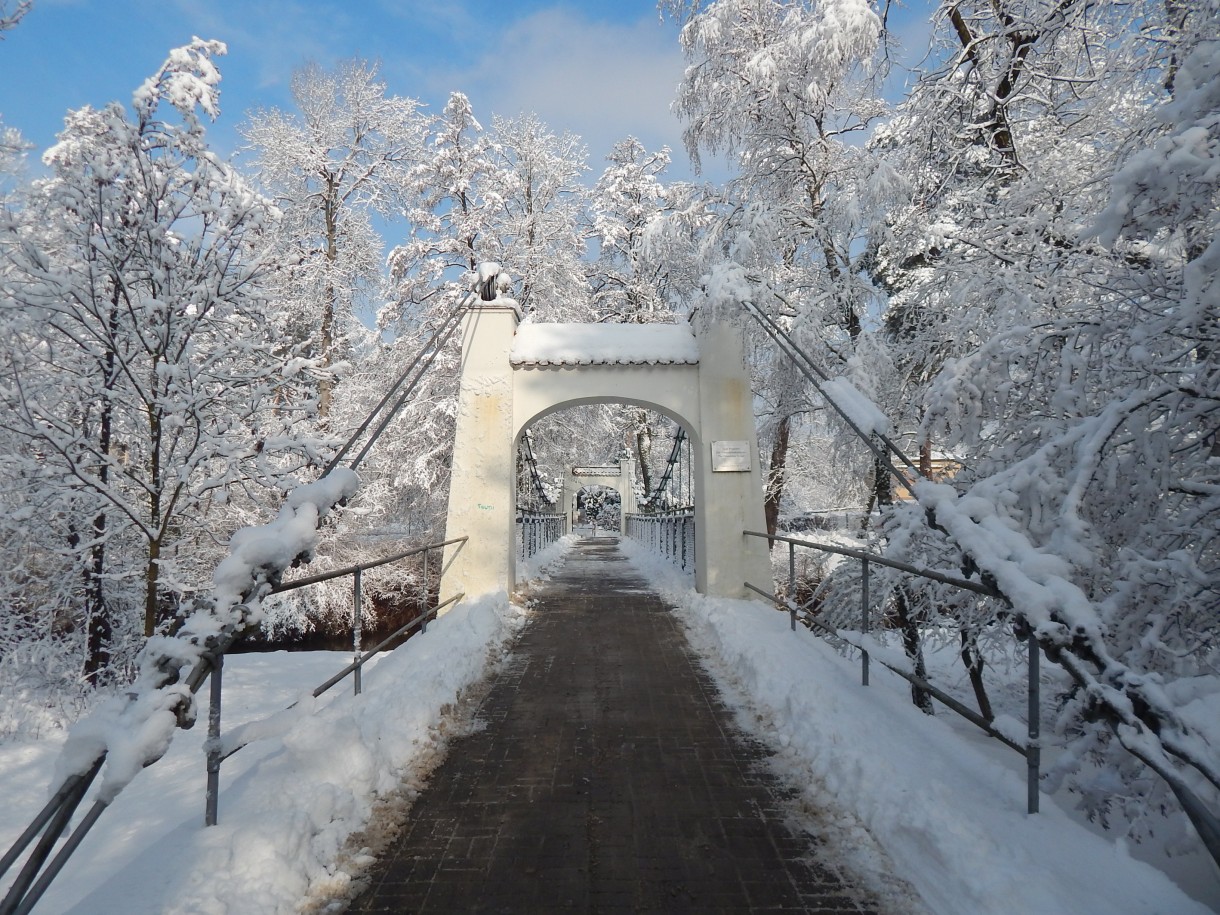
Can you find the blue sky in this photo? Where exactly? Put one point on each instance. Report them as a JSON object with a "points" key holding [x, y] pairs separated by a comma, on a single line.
{"points": [[600, 68]]}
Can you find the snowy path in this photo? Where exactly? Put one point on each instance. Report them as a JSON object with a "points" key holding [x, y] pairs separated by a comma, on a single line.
{"points": [[897, 793], [607, 777]]}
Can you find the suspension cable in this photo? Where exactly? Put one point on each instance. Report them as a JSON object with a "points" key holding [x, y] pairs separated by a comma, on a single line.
{"points": [[675, 455], [810, 369], [446, 328], [449, 328], [532, 463]]}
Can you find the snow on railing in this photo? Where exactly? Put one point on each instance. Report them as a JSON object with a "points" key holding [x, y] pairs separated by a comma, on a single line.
{"points": [[219, 748], [133, 730], [1038, 589]]}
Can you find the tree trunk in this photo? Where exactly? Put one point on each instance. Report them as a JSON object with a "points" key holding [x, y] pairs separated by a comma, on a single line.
{"points": [[99, 629], [643, 450], [326, 332], [152, 575], [777, 475]]}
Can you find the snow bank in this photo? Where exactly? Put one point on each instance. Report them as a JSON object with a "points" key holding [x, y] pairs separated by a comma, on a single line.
{"points": [[952, 821], [604, 344], [540, 564], [288, 804]]}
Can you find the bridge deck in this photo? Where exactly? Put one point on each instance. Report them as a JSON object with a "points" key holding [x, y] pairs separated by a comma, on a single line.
{"points": [[608, 778]]}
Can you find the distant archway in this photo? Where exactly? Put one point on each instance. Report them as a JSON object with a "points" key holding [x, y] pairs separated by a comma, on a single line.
{"points": [[513, 374]]}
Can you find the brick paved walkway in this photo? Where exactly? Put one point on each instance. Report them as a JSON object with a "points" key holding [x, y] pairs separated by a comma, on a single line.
{"points": [[608, 779]]}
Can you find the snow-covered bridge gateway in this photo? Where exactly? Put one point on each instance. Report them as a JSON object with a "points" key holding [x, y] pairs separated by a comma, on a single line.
{"points": [[514, 373], [620, 477]]}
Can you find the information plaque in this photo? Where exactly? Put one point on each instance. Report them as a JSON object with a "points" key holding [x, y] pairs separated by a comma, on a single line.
{"points": [[731, 456]]}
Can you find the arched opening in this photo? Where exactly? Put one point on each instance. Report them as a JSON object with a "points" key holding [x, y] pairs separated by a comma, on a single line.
{"points": [[597, 460]]}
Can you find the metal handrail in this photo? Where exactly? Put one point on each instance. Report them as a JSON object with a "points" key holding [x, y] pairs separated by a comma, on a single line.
{"points": [[942, 577], [537, 530], [215, 754], [1031, 750], [38, 872], [670, 533], [22, 896], [362, 566]]}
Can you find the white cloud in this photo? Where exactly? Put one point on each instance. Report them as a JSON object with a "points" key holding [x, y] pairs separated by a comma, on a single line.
{"points": [[601, 80]]}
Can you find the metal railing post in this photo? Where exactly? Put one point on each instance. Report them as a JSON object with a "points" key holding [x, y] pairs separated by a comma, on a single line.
{"points": [[864, 567], [1033, 752], [211, 803], [357, 625], [792, 583], [423, 627]]}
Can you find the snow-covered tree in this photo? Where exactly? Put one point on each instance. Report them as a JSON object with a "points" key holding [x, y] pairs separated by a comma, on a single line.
{"points": [[454, 197], [333, 166], [11, 14], [783, 87], [139, 365], [536, 231], [1053, 282]]}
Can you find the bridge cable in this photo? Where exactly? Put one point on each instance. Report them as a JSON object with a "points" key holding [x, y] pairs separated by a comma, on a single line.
{"points": [[446, 327], [809, 369], [675, 455], [30, 885]]}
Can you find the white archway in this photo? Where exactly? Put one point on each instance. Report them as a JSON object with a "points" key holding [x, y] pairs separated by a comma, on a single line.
{"points": [[619, 476], [513, 374]]}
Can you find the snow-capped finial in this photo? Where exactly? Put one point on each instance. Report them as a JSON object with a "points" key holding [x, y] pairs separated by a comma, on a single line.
{"points": [[490, 280]]}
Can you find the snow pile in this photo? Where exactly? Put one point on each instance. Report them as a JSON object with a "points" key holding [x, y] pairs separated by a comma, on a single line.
{"points": [[604, 344], [952, 820], [288, 803], [541, 563]]}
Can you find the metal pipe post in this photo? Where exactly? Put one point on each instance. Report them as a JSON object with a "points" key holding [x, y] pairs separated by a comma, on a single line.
{"points": [[1033, 752], [212, 798], [792, 584], [423, 627], [864, 619], [357, 627]]}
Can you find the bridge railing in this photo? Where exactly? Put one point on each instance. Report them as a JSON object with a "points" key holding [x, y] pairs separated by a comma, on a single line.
{"points": [[218, 748], [1028, 745], [671, 533], [44, 831], [538, 530]]}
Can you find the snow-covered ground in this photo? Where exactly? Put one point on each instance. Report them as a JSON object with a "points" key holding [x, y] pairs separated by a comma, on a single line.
{"points": [[289, 803], [948, 809], [947, 813]]}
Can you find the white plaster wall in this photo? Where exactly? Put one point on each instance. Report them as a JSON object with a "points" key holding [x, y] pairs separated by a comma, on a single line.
{"points": [[727, 503], [483, 486], [497, 403]]}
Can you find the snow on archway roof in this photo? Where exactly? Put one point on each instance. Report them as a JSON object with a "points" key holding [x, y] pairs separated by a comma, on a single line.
{"points": [[604, 344]]}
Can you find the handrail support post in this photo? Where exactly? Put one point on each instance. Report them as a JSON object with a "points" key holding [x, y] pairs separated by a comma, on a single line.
{"points": [[1033, 751], [357, 629], [792, 584], [212, 795], [864, 623]]}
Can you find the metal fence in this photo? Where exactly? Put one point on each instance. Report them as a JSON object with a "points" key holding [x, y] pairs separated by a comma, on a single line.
{"points": [[672, 534], [40, 869], [537, 530], [1030, 748]]}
